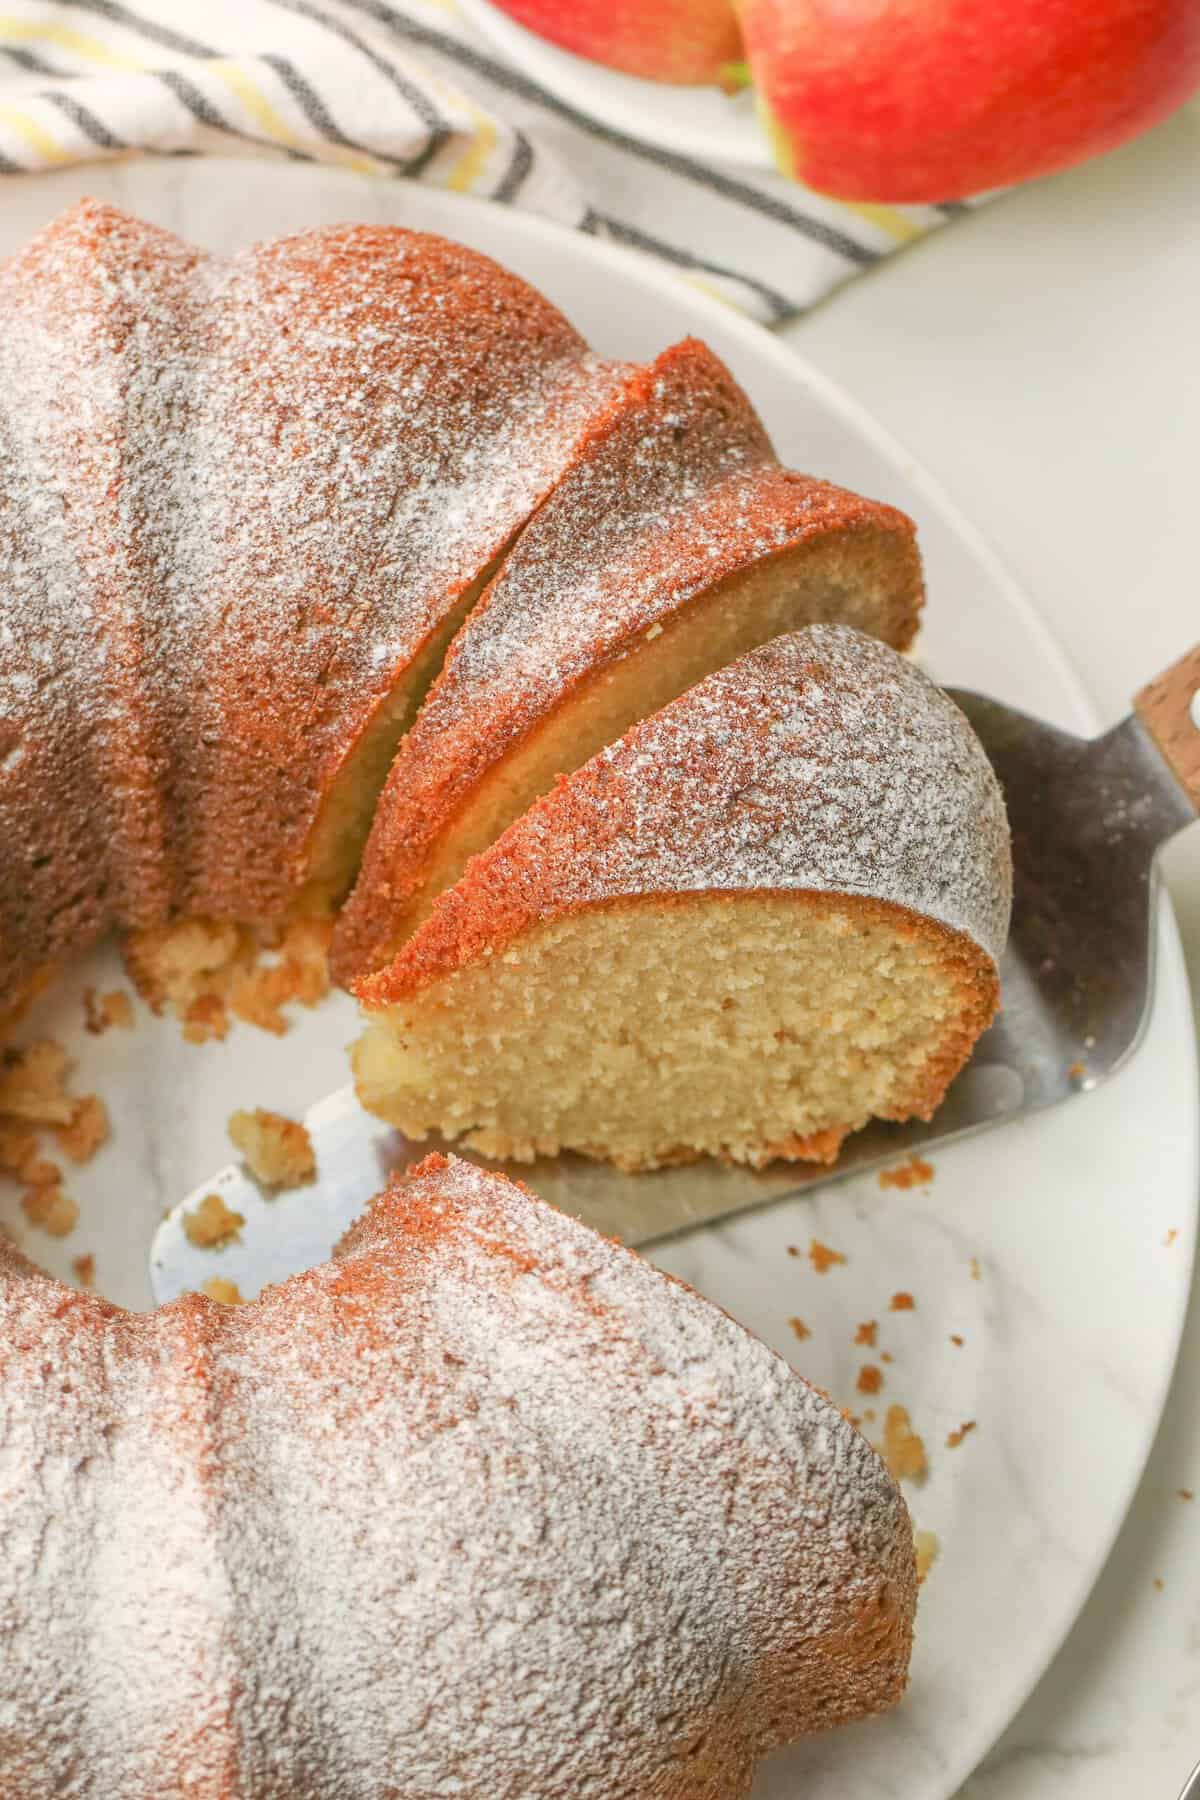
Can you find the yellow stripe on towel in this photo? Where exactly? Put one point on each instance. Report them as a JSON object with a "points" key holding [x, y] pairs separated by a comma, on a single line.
{"points": [[475, 157], [41, 31], [43, 143], [900, 229], [273, 124]]}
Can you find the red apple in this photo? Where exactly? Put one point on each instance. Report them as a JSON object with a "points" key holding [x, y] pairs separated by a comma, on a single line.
{"points": [[665, 40], [925, 100]]}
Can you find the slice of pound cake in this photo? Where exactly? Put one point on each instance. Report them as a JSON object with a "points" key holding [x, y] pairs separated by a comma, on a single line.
{"points": [[767, 914]]}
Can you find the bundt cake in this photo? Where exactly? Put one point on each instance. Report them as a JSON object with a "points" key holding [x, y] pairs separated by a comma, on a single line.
{"points": [[243, 506], [674, 543], [767, 914], [486, 1507]]}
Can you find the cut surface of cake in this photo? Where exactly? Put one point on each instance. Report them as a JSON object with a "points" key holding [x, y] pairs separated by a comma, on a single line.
{"points": [[244, 504], [674, 543], [485, 1507], [769, 913]]}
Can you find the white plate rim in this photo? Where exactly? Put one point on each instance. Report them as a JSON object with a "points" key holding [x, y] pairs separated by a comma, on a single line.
{"points": [[615, 260]]}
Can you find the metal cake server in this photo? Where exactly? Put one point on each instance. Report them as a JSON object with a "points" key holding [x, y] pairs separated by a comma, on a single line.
{"points": [[1088, 818]]}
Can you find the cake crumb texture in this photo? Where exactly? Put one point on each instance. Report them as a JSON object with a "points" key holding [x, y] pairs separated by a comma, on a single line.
{"points": [[768, 914]]}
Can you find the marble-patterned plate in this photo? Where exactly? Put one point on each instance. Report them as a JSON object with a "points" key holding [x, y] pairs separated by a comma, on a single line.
{"points": [[1048, 1261]]}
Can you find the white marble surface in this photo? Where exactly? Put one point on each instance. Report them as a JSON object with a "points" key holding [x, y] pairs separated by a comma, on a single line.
{"points": [[1042, 359]]}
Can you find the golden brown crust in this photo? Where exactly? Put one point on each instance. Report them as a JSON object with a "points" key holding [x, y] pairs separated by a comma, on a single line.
{"points": [[732, 788], [290, 468], [820, 774], [673, 498]]}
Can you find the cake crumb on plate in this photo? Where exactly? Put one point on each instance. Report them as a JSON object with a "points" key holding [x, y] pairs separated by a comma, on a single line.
{"points": [[223, 1291], [902, 1449], [204, 970], [914, 1172], [104, 1011], [278, 1151], [51, 1210], [32, 1084], [86, 1130], [822, 1257], [212, 1224], [38, 1171], [927, 1550]]}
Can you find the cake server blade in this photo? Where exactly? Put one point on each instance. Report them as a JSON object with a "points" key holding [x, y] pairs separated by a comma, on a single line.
{"points": [[1088, 818]]}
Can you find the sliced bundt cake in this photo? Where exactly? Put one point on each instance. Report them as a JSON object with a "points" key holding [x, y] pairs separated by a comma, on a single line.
{"points": [[767, 914], [487, 1507], [243, 506], [674, 543]]}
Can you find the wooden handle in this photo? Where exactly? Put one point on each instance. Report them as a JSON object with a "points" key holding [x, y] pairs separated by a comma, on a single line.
{"points": [[1169, 708]]}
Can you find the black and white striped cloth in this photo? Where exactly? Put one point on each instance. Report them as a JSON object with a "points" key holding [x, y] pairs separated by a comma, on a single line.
{"points": [[405, 88]]}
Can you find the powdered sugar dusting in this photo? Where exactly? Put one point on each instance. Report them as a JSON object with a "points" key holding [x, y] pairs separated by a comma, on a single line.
{"points": [[676, 491], [235, 500], [627, 534], [112, 1598], [486, 1506], [822, 761]]}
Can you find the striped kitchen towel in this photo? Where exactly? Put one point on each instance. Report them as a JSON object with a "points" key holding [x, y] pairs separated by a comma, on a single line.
{"points": [[407, 88]]}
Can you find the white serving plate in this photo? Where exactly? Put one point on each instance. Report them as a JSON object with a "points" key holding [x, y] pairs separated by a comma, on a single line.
{"points": [[692, 121], [1070, 1330]]}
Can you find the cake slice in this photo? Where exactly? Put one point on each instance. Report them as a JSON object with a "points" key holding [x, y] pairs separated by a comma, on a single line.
{"points": [[674, 543], [766, 915]]}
